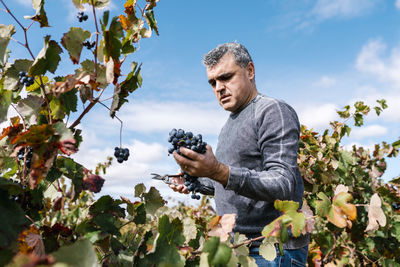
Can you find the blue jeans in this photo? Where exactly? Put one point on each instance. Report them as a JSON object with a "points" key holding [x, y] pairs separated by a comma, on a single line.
{"points": [[291, 257]]}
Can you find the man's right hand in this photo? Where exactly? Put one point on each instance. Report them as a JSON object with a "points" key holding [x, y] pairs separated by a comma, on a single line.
{"points": [[180, 187]]}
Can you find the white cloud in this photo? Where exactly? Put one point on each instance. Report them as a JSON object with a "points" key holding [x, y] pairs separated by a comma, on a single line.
{"points": [[368, 131], [147, 117], [397, 4], [372, 60], [326, 9], [317, 116], [325, 82], [27, 3]]}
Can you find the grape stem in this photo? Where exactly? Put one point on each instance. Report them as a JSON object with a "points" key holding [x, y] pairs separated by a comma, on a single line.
{"points": [[120, 129]]}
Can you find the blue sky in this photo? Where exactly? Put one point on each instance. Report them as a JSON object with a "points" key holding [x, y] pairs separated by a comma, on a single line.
{"points": [[317, 55]]}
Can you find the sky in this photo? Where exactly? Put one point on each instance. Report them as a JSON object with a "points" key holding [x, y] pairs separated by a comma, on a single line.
{"points": [[316, 55]]}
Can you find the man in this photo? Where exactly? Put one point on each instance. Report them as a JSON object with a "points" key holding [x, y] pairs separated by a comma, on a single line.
{"points": [[256, 157]]}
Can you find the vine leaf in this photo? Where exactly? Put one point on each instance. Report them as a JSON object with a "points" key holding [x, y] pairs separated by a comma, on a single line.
{"points": [[219, 253], [5, 102], [47, 59], [153, 200], [97, 3], [81, 253], [310, 221], [340, 212], [189, 229], [290, 218], [376, 216], [222, 226], [40, 15], [165, 251], [5, 35], [73, 42], [12, 218], [267, 249], [29, 108]]}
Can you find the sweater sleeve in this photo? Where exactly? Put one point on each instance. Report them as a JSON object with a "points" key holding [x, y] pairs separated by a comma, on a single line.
{"points": [[207, 186], [278, 130]]}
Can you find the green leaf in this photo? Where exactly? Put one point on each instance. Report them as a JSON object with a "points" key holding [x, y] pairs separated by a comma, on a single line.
{"points": [[104, 21], [106, 204], [57, 110], [81, 254], [5, 97], [137, 211], [29, 108], [69, 101], [322, 207], [121, 92], [61, 130], [73, 171], [12, 219], [153, 200], [395, 231], [152, 21], [396, 144], [107, 223], [112, 42], [73, 42], [5, 35], [166, 252], [40, 15], [222, 255], [267, 250], [219, 254], [10, 186], [101, 3], [139, 189], [47, 59], [383, 104]]}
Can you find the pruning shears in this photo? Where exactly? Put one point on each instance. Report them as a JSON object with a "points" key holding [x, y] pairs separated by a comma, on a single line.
{"points": [[165, 178]]}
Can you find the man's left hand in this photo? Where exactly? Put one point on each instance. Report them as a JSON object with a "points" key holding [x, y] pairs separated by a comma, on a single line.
{"points": [[202, 165]]}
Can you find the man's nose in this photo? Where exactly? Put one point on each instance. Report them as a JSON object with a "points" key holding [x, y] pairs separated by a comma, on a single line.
{"points": [[219, 86]]}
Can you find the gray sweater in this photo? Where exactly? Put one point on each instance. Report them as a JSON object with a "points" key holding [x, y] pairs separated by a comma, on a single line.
{"points": [[259, 144]]}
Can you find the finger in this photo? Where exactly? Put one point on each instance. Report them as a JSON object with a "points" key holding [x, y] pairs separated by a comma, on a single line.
{"points": [[181, 160], [189, 153]]}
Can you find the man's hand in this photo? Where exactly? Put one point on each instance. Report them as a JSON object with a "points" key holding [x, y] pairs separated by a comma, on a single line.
{"points": [[202, 165], [180, 187]]}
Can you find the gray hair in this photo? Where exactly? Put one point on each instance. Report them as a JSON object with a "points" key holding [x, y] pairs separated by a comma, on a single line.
{"points": [[239, 52]]}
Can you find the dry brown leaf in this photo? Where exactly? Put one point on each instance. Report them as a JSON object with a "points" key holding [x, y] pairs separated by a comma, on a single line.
{"points": [[341, 188], [310, 222], [224, 227], [376, 216]]}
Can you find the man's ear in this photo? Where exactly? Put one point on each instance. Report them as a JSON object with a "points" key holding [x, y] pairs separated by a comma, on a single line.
{"points": [[251, 72]]}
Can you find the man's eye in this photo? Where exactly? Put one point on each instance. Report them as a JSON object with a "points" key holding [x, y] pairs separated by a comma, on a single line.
{"points": [[226, 77]]}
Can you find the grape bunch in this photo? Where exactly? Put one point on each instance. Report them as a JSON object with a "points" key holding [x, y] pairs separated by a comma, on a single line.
{"points": [[396, 206], [82, 16], [21, 155], [180, 138], [89, 45], [24, 79], [121, 154]]}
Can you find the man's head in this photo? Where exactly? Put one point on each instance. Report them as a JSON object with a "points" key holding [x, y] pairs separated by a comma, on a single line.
{"points": [[231, 74]]}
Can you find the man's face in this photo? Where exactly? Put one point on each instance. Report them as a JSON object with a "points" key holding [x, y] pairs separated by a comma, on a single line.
{"points": [[232, 84]]}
